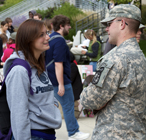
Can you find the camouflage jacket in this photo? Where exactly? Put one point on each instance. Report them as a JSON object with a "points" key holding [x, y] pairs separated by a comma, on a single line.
{"points": [[120, 83]]}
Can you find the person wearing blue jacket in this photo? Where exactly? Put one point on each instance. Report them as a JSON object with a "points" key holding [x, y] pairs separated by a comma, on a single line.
{"points": [[59, 74]]}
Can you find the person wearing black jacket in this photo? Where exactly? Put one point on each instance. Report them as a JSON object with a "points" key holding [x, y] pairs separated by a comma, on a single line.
{"points": [[3, 40], [75, 79]]}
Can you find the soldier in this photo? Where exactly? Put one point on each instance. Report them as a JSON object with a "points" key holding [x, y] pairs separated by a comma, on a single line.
{"points": [[109, 46], [118, 89]]}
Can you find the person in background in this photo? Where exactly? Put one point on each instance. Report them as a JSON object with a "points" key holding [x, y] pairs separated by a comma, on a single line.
{"points": [[49, 26], [34, 116], [75, 79], [31, 14], [10, 27], [3, 40], [108, 47], [59, 74], [77, 50], [10, 47], [94, 48], [37, 16], [76, 83], [118, 89], [140, 30], [111, 4], [4, 29]]}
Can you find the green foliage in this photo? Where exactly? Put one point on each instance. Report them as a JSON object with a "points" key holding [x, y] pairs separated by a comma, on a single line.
{"points": [[9, 3], [144, 14], [46, 13], [71, 12], [67, 10], [136, 2], [121, 1], [142, 45]]}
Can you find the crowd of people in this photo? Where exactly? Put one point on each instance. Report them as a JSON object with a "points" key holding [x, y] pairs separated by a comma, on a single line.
{"points": [[117, 90], [39, 112]]}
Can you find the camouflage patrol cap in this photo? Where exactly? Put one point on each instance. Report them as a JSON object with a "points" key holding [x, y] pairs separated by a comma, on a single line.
{"points": [[123, 10]]}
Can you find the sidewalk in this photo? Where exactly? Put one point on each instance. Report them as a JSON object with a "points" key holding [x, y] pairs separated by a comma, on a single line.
{"points": [[86, 125]]}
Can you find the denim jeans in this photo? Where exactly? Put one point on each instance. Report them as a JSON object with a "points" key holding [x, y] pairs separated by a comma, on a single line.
{"points": [[32, 138], [94, 64], [67, 103]]}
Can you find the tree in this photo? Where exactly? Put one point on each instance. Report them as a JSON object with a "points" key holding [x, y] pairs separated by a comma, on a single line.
{"points": [[125, 1], [136, 2], [71, 12]]}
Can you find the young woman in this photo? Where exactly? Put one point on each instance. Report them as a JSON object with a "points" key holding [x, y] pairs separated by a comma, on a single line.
{"points": [[33, 117], [10, 27], [4, 29], [94, 48]]}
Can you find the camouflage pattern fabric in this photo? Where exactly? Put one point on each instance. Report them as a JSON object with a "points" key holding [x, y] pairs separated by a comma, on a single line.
{"points": [[120, 84]]}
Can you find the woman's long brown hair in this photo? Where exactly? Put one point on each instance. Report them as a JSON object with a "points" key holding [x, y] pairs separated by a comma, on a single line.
{"points": [[27, 33]]}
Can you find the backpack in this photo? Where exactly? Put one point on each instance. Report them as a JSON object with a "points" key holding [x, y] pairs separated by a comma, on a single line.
{"points": [[5, 123]]}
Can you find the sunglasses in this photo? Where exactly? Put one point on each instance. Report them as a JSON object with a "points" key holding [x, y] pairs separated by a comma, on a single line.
{"points": [[110, 22]]}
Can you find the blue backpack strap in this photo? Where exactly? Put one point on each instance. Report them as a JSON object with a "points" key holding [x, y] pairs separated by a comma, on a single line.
{"points": [[49, 63], [23, 63], [55, 36]]}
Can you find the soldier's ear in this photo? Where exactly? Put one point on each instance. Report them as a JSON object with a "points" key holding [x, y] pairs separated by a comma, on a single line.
{"points": [[122, 24]]}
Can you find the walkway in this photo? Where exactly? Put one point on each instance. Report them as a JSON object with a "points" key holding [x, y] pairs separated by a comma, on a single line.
{"points": [[86, 125]]}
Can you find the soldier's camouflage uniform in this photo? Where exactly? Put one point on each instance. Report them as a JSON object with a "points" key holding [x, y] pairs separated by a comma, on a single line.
{"points": [[120, 84]]}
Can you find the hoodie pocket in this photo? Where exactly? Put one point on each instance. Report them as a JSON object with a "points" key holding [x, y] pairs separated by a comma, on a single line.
{"points": [[47, 111]]}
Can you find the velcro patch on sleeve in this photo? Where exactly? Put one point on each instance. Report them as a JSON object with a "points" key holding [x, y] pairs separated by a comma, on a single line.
{"points": [[97, 76]]}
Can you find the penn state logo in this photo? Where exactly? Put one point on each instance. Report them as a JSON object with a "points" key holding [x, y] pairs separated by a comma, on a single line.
{"points": [[43, 78]]}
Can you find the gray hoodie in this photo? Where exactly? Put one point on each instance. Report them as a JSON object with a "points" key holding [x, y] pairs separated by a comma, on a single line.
{"points": [[28, 111]]}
